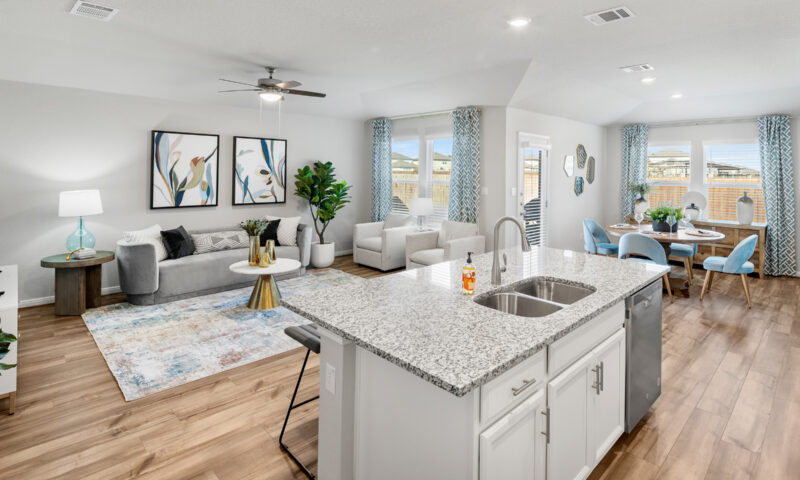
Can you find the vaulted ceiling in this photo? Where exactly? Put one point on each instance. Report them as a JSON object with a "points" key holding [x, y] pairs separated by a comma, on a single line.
{"points": [[384, 57]]}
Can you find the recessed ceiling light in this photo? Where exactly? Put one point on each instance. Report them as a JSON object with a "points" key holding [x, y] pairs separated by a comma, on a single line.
{"points": [[648, 80], [676, 96], [519, 22]]}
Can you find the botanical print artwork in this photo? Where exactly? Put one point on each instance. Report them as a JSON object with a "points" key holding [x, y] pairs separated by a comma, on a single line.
{"points": [[185, 168], [259, 170]]}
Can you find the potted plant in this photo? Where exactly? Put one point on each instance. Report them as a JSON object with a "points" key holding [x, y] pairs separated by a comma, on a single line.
{"points": [[254, 228], [659, 217], [6, 339], [640, 205], [325, 197]]}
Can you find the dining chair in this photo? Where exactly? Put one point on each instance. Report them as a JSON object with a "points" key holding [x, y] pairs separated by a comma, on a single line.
{"points": [[644, 246], [595, 239], [735, 264], [687, 253]]}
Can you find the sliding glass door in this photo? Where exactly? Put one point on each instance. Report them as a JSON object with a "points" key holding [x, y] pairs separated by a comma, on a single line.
{"points": [[533, 153]]}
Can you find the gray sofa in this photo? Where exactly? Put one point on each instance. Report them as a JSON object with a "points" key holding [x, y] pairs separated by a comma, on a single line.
{"points": [[146, 281]]}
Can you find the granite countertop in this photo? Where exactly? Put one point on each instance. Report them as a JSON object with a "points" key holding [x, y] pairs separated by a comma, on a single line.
{"points": [[420, 320]]}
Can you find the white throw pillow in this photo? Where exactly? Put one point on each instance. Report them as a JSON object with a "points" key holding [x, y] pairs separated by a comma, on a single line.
{"points": [[287, 230], [151, 235], [396, 220]]}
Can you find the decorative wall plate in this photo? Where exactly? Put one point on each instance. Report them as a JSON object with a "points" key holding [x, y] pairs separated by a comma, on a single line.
{"points": [[569, 165], [590, 170], [578, 185], [581, 156]]}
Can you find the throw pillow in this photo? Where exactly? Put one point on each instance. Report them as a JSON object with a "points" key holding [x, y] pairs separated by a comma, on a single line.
{"points": [[271, 233], [396, 220], [287, 230], [216, 241], [177, 242], [151, 235]]}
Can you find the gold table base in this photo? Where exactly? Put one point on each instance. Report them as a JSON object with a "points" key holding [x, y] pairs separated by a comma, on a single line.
{"points": [[265, 294]]}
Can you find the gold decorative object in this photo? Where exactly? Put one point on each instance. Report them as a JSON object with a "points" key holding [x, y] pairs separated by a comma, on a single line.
{"points": [[265, 294], [264, 261], [255, 250], [69, 255], [269, 251]]}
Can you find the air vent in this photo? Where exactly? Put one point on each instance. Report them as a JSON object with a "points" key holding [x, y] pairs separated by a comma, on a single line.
{"points": [[610, 15], [643, 67], [93, 10]]}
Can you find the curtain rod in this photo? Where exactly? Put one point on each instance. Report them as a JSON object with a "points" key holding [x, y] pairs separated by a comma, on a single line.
{"points": [[420, 115], [711, 121]]}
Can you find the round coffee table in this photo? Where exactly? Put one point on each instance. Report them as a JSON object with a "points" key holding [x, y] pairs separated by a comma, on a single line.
{"points": [[265, 293]]}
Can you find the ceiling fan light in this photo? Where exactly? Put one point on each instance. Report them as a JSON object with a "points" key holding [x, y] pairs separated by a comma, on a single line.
{"points": [[271, 96]]}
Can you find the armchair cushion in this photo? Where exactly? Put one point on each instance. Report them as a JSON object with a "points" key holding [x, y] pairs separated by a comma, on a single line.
{"points": [[458, 247], [370, 243], [428, 257]]}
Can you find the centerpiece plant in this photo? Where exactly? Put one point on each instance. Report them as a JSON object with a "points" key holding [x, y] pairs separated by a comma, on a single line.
{"points": [[326, 196], [660, 215], [254, 228]]}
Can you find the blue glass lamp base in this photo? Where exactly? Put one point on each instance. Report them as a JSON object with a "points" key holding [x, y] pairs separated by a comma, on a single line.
{"points": [[80, 238]]}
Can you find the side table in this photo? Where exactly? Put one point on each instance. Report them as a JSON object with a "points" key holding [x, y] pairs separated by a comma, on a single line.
{"points": [[77, 281], [265, 294]]}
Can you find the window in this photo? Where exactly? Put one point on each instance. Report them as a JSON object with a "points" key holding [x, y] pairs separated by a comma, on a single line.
{"points": [[668, 171], [424, 173], [730, 170]]}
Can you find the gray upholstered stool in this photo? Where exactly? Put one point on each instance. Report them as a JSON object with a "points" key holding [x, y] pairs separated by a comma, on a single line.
{"points": [[307, 335]]}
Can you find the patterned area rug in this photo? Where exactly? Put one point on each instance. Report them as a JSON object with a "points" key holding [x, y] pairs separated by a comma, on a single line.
{"points": [[152, 348]]}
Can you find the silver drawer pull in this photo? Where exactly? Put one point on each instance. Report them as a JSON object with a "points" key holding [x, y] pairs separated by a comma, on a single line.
{"points": [[525, 384]]}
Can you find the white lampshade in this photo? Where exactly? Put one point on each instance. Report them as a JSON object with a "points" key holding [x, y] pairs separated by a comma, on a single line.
{"points": [[79, 203], [421, 207]]}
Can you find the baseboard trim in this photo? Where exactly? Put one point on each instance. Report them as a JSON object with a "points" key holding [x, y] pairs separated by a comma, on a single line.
{"points": [[339, 253], [35, 302]]}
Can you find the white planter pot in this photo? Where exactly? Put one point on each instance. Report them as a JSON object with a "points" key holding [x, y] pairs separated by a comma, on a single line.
{"points": [[322, 254]]}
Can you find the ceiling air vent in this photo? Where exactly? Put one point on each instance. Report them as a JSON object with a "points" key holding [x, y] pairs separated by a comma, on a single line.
{"points": [[610, 15], [643, 67], [93, 10]]}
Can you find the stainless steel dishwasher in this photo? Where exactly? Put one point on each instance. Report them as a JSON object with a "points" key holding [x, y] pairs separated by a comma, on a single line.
{"points": [[643, 346]]}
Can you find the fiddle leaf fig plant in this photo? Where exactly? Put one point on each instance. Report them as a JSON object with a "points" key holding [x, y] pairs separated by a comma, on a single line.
{"points": [[325, 195]]}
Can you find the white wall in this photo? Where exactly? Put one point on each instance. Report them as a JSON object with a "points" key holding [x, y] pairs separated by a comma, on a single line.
{"points": [[695, 135], [56, 139]]}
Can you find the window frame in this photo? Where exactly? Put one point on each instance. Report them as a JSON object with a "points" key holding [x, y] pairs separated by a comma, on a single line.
{"points": [[425, 181]]}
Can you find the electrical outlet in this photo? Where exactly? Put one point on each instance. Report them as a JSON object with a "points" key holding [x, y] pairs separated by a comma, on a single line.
{"points": [[330, 378]]}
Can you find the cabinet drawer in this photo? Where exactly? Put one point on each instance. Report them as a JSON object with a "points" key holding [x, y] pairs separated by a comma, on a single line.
{"points": [[513, 386], [565, 351]]}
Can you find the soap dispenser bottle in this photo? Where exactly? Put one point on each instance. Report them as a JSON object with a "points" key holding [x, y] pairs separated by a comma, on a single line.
{"points": [[468, 276]]}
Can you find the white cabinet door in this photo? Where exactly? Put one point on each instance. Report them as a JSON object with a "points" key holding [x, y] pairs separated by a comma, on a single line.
{"points": [[568, 454], [513, 447], [608, 398]]}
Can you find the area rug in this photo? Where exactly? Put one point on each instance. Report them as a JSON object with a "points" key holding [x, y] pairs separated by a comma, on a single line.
{"points": [[152, 348]]}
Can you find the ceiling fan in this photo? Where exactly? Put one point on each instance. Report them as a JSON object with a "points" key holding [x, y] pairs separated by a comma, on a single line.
{"points": [[273, 89]]}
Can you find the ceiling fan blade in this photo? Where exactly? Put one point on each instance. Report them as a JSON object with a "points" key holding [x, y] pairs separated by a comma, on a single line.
{"points": [[288, 84], [240, 83], [306, 93], [240, 90]]}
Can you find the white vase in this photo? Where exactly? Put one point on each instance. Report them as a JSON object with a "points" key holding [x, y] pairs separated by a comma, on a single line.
{"points": [[745, 209], [322, 254]]}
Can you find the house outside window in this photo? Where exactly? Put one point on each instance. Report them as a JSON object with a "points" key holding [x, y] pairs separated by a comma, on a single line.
{"points": [[669, 172], [732, 168], [421, 168]]}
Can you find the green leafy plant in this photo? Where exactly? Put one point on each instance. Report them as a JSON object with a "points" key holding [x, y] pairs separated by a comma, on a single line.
{"points": [[325, 195], [641, 189], [661, 213], [6, 339], [254, 226]]}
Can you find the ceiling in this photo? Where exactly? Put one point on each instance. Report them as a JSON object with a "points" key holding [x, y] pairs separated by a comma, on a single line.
{"points": [[383, 57]]}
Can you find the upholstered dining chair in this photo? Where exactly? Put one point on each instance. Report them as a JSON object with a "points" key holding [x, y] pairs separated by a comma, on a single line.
{"points": [[685, 252], [644, 246], [595, 239], [735, 264]]}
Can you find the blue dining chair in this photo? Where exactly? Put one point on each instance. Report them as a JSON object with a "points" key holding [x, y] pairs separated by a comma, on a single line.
{"points": [[735, 264], [687, 253], [595, 239], [644, 246]]}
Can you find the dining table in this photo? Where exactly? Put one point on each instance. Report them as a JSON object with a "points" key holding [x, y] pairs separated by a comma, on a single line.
{"points": [[685, 235]]}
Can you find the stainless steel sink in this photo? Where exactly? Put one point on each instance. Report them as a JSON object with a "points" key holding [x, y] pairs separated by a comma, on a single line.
{"points": [[554, 291], [516, 304]]}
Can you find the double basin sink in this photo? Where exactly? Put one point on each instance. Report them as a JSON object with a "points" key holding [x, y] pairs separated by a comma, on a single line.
{"points": [[535, 297]]}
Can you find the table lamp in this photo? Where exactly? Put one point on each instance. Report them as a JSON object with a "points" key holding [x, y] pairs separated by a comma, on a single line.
{"points": [[79, 203], [420, 207]]}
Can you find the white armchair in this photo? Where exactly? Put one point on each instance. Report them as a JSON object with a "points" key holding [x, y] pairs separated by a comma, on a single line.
{"points": [[452, 241], [382, 245]]}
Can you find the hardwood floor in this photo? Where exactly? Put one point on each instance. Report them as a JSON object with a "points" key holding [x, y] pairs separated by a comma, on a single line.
{"points": [[730, 406]]}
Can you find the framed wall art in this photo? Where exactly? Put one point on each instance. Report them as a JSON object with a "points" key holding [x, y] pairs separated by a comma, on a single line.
{"points": [[259, 171], [184, 170]]}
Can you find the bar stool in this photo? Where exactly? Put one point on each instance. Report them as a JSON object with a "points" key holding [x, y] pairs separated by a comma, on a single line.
{"points": [[308, 336]]}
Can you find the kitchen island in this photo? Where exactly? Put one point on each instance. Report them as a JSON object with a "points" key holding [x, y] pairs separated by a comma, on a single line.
{"points": [[420, 381]]}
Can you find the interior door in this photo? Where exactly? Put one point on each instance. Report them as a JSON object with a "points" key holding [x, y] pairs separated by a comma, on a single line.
{"points": [[608, 415], [533, 154]]}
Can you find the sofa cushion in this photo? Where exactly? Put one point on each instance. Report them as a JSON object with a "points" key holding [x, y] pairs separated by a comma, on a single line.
{"points": [[200, 272], [287, 229], [394, 219], [287, 252], [450, 230], [428, 257], [370, 243], [218, 241], [151, 235]]}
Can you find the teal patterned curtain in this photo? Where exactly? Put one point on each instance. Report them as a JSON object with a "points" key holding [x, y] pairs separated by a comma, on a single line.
{"points": [[381, 168], [634, 164], [465, 170], [777, 179]]}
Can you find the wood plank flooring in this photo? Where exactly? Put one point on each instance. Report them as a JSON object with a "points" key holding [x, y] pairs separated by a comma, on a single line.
{"points": [[730, 407]]}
